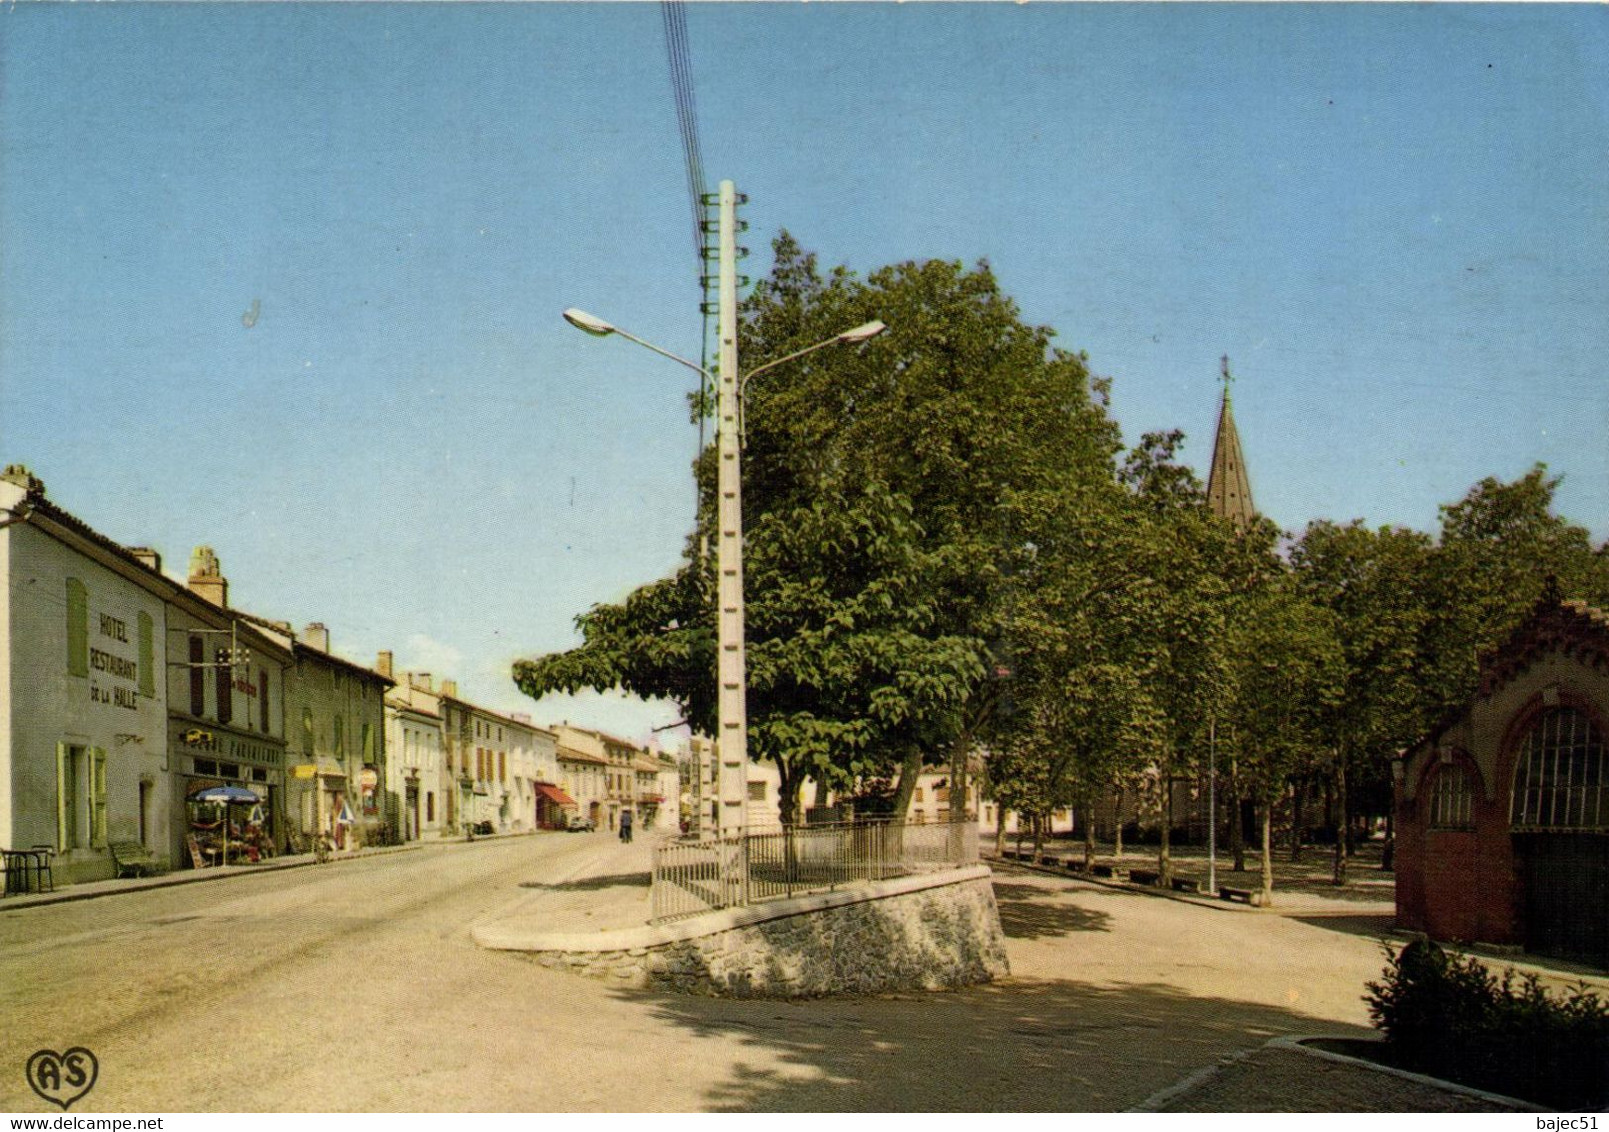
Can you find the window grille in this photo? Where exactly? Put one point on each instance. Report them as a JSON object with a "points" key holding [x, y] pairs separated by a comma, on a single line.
{"points": [[1559, 777], [1452, 798]]}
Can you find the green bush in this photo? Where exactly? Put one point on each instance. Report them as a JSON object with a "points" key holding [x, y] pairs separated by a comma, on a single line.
{"points": [[1450, 1017]]}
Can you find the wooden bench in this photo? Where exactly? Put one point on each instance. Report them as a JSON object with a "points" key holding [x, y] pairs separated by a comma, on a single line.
{"points": [[131, 855], [1074, 865], [1185, 884], [1143, 876], [1244, 895], [1102, 871]]}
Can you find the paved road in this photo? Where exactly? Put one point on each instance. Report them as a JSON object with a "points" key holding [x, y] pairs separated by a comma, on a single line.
{"points": [[355, 986]]}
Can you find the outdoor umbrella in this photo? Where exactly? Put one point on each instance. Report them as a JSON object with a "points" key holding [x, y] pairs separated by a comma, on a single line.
{"points": [[225, 796]]}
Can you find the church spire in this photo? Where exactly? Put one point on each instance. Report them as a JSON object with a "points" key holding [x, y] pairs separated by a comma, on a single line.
{"points": [[1228, 486]]}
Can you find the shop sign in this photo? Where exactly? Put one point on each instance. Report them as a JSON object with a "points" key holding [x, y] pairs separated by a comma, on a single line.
{"points": [[199, 738], [304, 770], [369, 781]]}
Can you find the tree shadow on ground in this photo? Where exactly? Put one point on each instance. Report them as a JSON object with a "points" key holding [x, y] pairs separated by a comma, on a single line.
{"points": [[1375, 925], [593, 884], [1018, 1045], [1032, 912]]}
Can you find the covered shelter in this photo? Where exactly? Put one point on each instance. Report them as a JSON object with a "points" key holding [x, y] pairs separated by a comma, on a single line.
{"points": [[1503, 810]]}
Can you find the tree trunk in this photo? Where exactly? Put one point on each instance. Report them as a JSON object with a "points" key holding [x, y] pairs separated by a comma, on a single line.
{"points": [[1117, 826], [1089, 833], [999, 829], [788, 784], [1039, 834], [1387, 864], [1237, 820], [1341, 831], [1164, 847], [958, 776], [1268, 852], [1296, 821], [909, 770]]}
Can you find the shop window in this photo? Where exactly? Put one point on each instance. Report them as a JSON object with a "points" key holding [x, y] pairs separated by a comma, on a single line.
{"points": [[147, 636], [1452, 796], [198, 678], [77, 628], [259, 774], [1560, 780], [206, 767]]}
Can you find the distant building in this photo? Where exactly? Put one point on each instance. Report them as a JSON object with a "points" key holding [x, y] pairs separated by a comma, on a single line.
{"points": [[1502, 812]]}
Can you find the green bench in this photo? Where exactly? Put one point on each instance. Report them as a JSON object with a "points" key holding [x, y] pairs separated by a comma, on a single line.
{"points": [[132, 856]]}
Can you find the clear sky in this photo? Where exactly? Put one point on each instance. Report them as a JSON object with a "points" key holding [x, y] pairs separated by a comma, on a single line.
{"points": [[286, 279]]}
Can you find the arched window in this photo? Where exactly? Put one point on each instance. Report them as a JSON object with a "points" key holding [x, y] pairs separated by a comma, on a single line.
{"points": [[1559, 776], [1452, 797]]}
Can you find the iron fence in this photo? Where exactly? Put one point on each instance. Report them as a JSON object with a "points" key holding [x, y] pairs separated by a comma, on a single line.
{"points": [[690, 877]]}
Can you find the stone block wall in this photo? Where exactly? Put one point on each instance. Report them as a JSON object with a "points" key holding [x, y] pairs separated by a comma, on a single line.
{"points": [[941, 936]]}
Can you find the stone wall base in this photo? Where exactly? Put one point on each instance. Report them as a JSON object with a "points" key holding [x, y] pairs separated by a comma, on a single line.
{"points": [[934, 938]]}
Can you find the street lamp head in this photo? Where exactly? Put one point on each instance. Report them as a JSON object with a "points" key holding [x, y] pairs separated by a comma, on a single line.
{"points": [[859, 334], [593, 325]]}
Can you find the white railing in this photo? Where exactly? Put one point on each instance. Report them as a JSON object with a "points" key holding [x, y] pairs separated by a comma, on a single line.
{"points": [[690, 877]]}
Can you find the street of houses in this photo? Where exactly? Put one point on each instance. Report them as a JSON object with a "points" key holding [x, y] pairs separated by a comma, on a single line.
{"points": [[127, 697]]}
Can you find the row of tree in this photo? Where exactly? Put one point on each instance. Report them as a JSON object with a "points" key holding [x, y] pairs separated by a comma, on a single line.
{"points": [[949, 550]]}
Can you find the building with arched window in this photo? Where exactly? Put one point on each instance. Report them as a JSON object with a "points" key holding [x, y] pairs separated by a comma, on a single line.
{"points": [[1503, 810]]}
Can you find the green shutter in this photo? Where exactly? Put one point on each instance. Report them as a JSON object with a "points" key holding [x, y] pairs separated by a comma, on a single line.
{"points": [[77, 628], [147, 657], [97, 797], [63, 769]]}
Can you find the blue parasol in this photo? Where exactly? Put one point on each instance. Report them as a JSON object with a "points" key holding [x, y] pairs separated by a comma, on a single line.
{"points": [[225, 796]]}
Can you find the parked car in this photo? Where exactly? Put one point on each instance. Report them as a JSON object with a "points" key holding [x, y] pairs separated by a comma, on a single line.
{"points": [[579, 824]]}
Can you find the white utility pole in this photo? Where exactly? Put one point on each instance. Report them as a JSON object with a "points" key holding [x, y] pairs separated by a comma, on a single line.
{"points": [[732, 708]]}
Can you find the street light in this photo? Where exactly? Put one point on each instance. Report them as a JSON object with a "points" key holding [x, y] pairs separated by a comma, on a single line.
{"points": [[733, 722]]}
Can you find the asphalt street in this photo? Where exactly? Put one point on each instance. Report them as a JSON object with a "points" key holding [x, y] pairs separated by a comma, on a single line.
{"points": [[355, 986]]}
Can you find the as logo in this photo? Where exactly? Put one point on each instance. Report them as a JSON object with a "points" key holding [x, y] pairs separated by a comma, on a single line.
{"points": [[62, 1078]]}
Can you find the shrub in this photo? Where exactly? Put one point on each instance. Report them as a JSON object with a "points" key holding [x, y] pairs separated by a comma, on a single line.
{"points": [[1450, 1017]]}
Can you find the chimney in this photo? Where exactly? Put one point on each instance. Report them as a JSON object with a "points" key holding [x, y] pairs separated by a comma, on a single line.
{"points": [[421, 681], [382, 664], [316, 636], [149, 558], [206, 580], [449, 688], [19, 475]]}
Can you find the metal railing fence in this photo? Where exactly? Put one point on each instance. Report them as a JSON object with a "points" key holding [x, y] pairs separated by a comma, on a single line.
{"points": [[690, 877]]}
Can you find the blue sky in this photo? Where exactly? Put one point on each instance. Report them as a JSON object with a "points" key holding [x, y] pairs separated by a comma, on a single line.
{"points": [[1393, 218]]}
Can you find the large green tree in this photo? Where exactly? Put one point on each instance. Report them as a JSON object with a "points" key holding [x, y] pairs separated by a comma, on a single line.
{"points": [[878, 485]]}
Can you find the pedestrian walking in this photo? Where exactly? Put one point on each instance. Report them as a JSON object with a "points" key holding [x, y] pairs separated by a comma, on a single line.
{"points": [[625, 826]]}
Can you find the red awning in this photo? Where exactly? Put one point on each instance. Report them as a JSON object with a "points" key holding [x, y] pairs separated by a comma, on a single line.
{"points": [[554, 794]]}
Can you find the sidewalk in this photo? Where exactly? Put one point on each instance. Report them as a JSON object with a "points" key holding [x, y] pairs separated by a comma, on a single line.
{"points": [[89, 890], [607, 891]]}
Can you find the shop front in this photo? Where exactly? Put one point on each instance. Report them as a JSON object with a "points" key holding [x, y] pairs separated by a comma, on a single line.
{"points": [[553, 806], [230, 790]]}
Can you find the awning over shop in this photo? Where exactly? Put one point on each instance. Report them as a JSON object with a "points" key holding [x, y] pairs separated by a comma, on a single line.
{"points": [[554, 794]]}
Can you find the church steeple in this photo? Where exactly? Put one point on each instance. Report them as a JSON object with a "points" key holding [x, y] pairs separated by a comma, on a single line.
{"points": [[1228, 485]]}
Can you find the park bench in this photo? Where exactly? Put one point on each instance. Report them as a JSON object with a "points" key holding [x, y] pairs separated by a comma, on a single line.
{"points": [[1244, 895], [1185, 884], [1074, 865], [132, 856], [1143, 876], [1103, 871]]}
